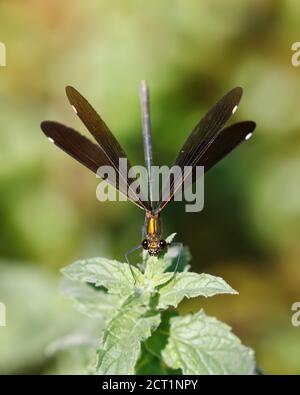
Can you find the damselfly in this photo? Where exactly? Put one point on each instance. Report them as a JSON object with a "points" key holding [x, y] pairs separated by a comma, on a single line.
{"points": [[208, 143]]}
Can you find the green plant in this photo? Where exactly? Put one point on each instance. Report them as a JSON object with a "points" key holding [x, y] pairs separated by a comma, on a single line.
{"points": [[142, 331]]}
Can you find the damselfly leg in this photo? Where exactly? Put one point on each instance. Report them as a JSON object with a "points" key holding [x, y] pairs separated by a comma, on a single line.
{"points": [[129, 252]]}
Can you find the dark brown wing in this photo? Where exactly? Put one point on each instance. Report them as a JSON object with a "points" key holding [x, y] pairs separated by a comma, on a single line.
{"points": [[95, 125], [84, 151], [104, 137], [228, 139], [203, 135]]}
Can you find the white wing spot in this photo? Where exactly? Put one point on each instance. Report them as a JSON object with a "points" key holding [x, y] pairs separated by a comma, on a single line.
{"points": [[234, 109], [249, 135], [74, 109], [51, 139]]}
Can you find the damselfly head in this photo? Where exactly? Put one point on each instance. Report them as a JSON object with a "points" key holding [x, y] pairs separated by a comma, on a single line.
{"points": [[154, 245]]}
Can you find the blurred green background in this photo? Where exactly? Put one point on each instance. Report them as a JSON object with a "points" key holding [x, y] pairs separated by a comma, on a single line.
{"points": [[191, 52]]}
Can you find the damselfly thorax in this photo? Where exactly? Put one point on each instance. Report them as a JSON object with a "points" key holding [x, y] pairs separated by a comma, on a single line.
{"points": [[153, 241]]}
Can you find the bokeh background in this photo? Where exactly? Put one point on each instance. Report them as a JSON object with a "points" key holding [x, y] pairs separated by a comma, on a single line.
{"points": [[191, 52]]}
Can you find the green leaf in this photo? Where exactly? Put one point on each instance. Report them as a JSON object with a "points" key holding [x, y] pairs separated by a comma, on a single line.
{"points": [[115, 276], [170, 238], [133, 339], [173, 260], [190, 285], [89, 301], [154, 273], [158, 340], [150, 361], [74, 340], [149, 364], [120, 344], [199, 344]]}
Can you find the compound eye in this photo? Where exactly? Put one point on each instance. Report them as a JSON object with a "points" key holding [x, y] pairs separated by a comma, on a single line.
{"points": [[145, 244], [162, 244]]}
